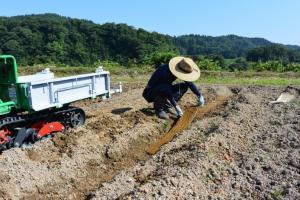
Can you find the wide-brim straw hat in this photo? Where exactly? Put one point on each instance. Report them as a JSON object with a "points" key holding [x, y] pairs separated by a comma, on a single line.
{"points": [[184, 68]]}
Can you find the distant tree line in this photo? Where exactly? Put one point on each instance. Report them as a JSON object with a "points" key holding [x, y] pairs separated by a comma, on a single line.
{"points": [[273, 52], [50, 38], [229, 47]]}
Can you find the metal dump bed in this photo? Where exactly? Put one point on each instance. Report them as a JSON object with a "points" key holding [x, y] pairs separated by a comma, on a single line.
{"points": [[44, 91]]}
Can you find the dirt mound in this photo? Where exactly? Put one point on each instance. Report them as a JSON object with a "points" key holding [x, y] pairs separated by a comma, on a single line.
{"points": [[246, 149], [70, 165]]}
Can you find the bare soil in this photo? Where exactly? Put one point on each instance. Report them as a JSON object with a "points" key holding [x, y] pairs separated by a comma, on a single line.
{"points": [[245, 149]]}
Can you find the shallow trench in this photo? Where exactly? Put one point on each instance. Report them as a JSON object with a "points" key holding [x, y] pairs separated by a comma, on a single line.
{"points": [[138, 149]]}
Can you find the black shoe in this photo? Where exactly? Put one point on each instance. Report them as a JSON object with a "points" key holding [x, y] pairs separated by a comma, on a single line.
{"points": [[159, 105], [168, 107]]}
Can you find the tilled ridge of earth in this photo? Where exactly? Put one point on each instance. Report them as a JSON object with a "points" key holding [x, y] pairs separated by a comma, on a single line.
{"points": [[248, 149]]}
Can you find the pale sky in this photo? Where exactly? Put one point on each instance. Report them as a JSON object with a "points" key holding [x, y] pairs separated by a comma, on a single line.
{"points": [[275, 20]]}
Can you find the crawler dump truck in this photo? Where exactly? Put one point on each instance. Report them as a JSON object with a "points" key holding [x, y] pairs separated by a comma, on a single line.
{"points": [[35, 106]]}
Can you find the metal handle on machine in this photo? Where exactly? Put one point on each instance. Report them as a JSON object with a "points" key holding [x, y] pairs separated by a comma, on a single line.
{"points": [[117, 90]]}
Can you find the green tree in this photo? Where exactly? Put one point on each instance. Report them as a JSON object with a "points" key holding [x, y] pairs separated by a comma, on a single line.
{"points": [[239, 64], [208, 64], [160, 58]]}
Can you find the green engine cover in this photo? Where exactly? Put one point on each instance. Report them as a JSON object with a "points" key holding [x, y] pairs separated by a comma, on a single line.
{"points": [[8, 84]]}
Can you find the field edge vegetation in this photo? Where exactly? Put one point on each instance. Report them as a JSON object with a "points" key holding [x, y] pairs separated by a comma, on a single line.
{"points": [[141, 74]]}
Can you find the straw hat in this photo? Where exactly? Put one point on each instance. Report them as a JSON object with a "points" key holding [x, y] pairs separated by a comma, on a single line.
{"points": [[184, 68]]}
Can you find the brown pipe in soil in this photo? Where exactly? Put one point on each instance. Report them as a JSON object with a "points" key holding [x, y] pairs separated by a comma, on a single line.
{"points": [[184, 121]]}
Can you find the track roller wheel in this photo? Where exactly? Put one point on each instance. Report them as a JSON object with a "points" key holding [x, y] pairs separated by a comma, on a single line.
{"points": [[77, 118]]}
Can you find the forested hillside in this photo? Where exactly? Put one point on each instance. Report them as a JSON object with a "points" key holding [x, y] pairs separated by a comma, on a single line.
{"points": [[52, 38], [230, 46]]}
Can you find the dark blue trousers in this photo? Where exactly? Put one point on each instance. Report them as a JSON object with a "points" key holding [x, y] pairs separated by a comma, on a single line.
{"points": [[162, 93]]}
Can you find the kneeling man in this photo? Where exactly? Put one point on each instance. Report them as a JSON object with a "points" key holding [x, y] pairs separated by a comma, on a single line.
{"points": [[164, 94]]}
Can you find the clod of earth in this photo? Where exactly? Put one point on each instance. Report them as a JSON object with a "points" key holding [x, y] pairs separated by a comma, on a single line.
{"points": [[287, 96]]}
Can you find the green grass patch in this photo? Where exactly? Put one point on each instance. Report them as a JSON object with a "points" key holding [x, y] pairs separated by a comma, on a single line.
{"points": [[261, 81], [279, 193], [244, 81]]}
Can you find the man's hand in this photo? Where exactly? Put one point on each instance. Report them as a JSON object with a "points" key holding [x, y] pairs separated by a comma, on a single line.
{"points": [[201, 100], [178, 111]]}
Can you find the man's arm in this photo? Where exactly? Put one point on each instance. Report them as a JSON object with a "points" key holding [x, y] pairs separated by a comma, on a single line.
{"points": [[194, 89]]}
